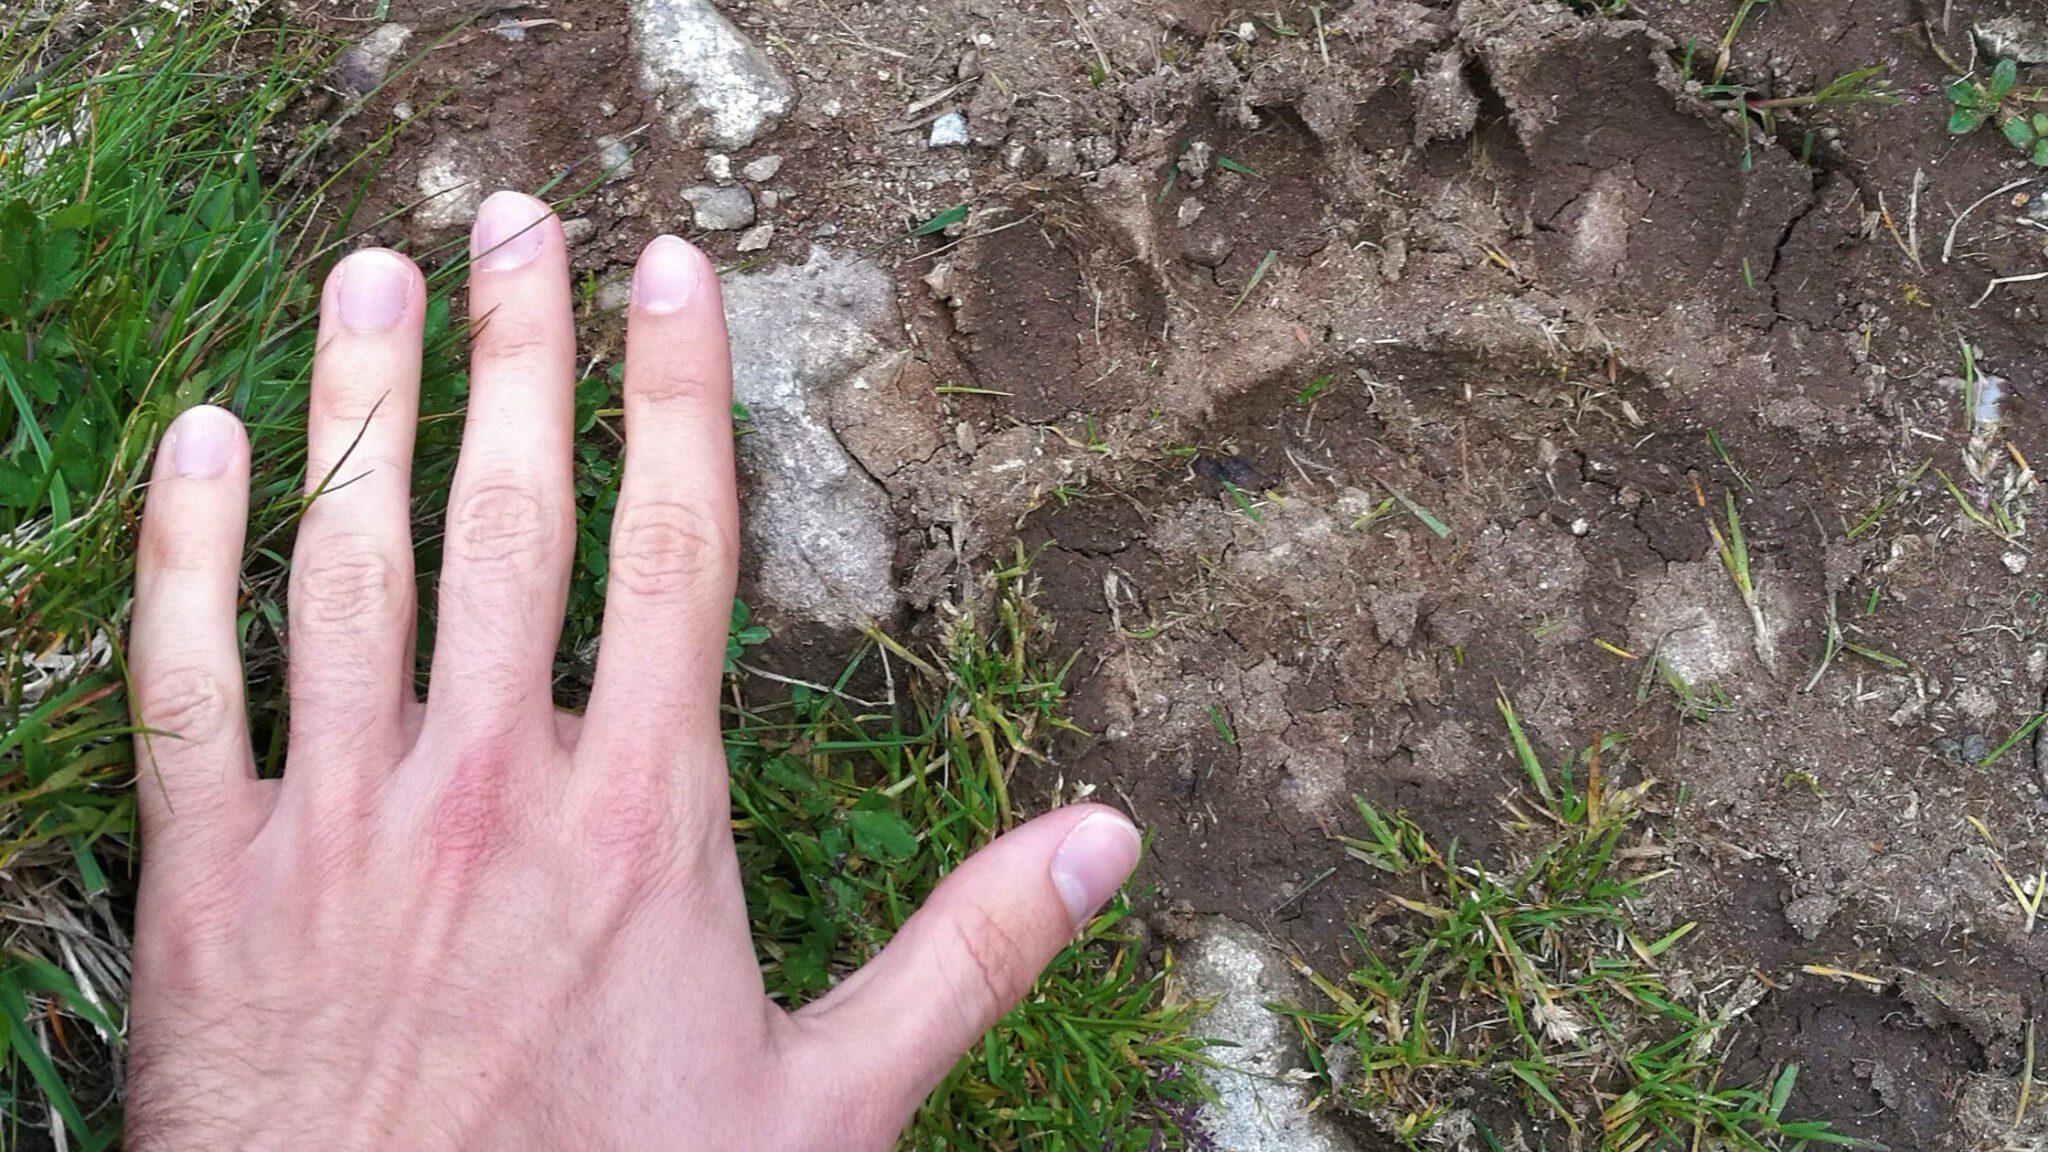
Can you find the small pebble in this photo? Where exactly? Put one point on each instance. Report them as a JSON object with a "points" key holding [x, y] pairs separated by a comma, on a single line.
{"points": [[607, 109], [614, 294], [949, 131], [756, 238], [1580, 527], [718, 166], [2015, 562], [579, 230], [769, 199], [1974, 748], [716, 209], [615, 156], [365, 65], [762, 169]]}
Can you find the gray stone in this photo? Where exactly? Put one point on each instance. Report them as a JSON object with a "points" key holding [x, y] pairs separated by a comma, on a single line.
{"points": [[2025, 41], [614, 158], [718, 209], [366, 63], [697, 65], [762, 169], [1258, 1107], [449, 189], [756, 238], [579, 230], [615, 292], [817, 526], [949, 131]]}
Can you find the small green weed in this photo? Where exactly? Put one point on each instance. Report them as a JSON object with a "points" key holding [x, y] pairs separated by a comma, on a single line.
{"points": [[1533, 982], [1993, 100]]}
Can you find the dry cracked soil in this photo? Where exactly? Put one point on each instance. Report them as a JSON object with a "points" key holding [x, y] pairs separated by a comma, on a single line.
{"points": [[1345, 366]]}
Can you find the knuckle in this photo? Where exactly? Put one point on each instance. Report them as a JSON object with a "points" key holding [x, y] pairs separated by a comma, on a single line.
{"points": [[500, 341], [503, 519], [468, 821], [178, 545], [632, 833], [190, 703], [996, 972], [661, 548], [351, 583], [347, 405], [666, 387]]}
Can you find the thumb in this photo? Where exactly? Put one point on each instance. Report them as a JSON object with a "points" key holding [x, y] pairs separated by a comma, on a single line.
{"points": [[974, 949]]}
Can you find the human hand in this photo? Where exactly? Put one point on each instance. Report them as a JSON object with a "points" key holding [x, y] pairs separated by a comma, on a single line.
{"points": [[477, 921]]}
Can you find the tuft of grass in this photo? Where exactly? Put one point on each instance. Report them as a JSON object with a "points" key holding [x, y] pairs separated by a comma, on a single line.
{"points": [[1734, 552], [847, 813], [1264, 265], [1834, 643], [1532, 982]]}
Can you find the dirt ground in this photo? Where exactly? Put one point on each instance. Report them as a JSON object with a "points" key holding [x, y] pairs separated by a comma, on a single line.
{"points": [[1241, 287]]}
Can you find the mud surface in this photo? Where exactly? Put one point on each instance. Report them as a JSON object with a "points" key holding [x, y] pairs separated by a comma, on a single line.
{"points": [[1350, 366]]}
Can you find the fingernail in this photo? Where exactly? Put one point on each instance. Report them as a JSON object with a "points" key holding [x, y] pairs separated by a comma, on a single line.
{"points": [[202, 442], [667, 275], [1094, 859], [372, 290], [508, 233]]}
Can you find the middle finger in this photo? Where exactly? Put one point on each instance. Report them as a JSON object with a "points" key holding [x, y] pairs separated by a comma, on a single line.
{"points": [[511, 526]]}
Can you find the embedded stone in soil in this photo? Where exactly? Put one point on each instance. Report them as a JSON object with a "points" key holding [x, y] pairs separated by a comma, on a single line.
{"points": [[1258, 1108], [818, 529]]}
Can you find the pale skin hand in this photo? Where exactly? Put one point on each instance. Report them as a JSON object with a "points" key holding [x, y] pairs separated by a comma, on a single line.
{"points": [[478, 922]]}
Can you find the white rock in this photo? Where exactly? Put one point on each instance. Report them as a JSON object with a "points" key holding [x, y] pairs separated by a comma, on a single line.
{"points": [[449, 192], [717, 209], [614, 158], [819, 524], [2015, 562], [718, 166], [762, 169], [698, 65], [768, 198], [949, 131], [756, 238], [1258, 1108]]}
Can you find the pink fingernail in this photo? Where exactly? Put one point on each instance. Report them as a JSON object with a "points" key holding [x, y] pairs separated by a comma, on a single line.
{"points": [[508, 232], [1095, 858], [202, 442], [372, 289], [667, 275]]}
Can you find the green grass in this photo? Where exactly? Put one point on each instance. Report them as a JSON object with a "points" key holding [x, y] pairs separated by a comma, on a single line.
{"points": [[849, 812], [1531, 983], [169, 254]]}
